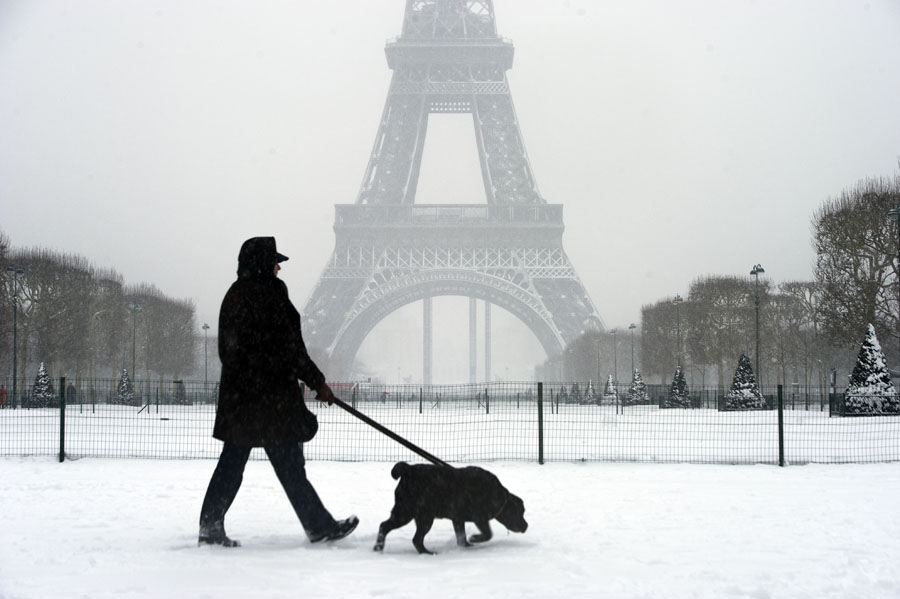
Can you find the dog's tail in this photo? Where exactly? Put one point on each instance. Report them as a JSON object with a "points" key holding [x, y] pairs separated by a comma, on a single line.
{"points": [[399, 469]]}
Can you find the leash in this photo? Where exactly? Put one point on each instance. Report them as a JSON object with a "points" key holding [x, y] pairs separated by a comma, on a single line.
{"points": [[383, 429]]}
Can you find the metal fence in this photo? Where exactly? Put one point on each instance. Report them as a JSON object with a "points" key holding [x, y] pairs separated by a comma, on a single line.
{"points": [[459, 423]]}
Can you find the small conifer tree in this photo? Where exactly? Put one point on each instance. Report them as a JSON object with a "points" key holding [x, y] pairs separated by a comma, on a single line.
{"points": [[744, 393], [679, 397], [870, 390], [590, 396], [637, 393], [125, 390], [575, 393], [42, 393], [609, 391]]}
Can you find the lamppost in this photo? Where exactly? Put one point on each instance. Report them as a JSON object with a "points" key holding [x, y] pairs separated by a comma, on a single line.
{"points": [[677, 302], [631, 328], [896, 212], [16, 272], [757, 270], [205, 328], [134, 306]]}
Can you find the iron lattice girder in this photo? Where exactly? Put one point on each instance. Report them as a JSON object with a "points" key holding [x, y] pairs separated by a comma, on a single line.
{"points": [[350, 261], [390, 252], [448, 60], [387, 256], [436, 19]]}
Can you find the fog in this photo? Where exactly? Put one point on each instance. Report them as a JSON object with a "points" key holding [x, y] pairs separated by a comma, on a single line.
{"points": [[683, 139]]}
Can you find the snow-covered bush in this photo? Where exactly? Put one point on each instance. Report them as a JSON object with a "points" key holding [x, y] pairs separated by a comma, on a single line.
{"points": [[870, 390], [42, 394], [637, 393], [609, 391], [679, 396], [125, 390], [575, 393], [744, 393], [590, 396]]}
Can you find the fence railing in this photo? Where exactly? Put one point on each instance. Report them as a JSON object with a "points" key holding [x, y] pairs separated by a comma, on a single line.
{"points": [[458, 423]]}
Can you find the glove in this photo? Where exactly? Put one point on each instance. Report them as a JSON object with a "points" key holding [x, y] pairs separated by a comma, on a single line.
{"points": [[325, 394]]}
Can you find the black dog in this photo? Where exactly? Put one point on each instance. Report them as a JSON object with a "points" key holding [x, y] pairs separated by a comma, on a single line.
{"points": [[462, 495]]}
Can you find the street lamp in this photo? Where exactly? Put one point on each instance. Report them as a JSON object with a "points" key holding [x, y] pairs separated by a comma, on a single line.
{"points": [[757, 270], [205, 328], [677, 302], [896, 212], [631, 328], [134, 306], [16, 272]]}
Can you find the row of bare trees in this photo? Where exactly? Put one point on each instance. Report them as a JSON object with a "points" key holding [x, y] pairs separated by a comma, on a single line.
{"points": [[717, 322], [82, 321], [807, 329]]}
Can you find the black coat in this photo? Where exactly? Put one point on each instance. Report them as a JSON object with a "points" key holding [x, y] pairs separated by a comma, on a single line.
{"points": [[263, 356]]}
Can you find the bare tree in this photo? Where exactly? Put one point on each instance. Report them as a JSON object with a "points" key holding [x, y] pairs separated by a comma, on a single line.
{"points": [[856, 244], [76, 319], [721, 320], [165, 332], [659, 331], [107, 322], [6, 310]]}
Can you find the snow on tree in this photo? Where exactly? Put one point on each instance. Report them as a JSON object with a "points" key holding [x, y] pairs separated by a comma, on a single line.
{"points": [[637, 393], [679, 396], [744, 393], [575, 393], [42, 392], [590, 396], [609, 391], [870, 390], [125, 390]]}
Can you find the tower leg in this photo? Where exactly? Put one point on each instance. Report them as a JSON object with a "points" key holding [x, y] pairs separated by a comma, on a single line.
{"points": [[487, 341], [473, 342], [426, 341]]}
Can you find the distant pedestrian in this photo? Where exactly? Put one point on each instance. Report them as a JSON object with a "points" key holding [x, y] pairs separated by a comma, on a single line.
{"points": [[2, 396], [260, 401], [71, 394]]}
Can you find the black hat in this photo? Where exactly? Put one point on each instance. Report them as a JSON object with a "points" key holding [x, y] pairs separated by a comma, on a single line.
{"points": [[259, 253]]}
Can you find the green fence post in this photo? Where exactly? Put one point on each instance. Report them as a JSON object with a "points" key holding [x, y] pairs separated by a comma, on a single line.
{"points": [[62, 418], [540, 405], [780, 426]]}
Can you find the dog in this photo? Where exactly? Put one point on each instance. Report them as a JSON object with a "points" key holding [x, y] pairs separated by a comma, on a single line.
{"points": [[469, 494]]}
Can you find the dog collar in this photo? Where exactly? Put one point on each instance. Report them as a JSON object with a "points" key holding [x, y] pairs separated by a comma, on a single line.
{"points": [[501, 507]]}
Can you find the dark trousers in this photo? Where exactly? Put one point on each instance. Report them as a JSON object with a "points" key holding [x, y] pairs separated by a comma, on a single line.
{"points": [[289, 465]]}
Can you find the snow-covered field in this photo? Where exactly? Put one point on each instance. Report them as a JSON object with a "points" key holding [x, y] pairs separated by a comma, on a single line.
{"points": [[127, 528]]}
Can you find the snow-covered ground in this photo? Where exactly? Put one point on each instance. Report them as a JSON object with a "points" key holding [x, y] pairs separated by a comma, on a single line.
{"points": [[127, 528]]}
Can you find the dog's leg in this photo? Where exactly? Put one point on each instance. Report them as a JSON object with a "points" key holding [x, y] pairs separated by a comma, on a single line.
{"points": [[459, 527], [423, 525], [395, 521], [486, 534]]}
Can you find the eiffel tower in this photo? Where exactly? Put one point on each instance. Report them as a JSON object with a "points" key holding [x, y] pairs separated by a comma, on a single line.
{"points": [[390, 252]]}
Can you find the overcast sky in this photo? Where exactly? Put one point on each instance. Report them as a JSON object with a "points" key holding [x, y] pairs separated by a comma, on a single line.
{"points": [[683, 138]]}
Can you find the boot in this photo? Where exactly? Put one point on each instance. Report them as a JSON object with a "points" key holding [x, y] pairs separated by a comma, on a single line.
{"points": [[215, 535], [341, 529]]}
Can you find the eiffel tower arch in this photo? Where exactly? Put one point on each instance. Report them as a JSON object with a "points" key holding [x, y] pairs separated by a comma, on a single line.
{"points": [[390, 252]]}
